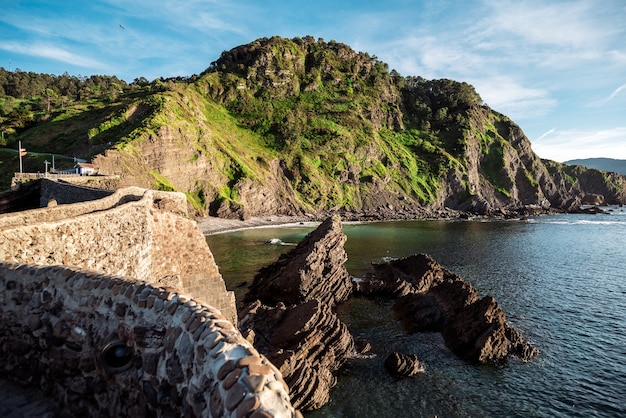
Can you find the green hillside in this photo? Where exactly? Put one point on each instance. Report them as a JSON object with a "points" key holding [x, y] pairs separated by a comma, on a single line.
{"points": [[307, 126]]}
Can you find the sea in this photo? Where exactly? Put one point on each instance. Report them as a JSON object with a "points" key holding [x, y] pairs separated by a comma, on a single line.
{"points": [[561, 280]]}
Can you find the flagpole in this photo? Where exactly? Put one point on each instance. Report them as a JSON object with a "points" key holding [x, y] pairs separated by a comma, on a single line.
{"points": [[19, 151]]}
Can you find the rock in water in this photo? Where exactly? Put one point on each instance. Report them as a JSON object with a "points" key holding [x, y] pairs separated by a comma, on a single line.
{"points": [[413, 274], [439, 300], [306, 342], [403, 365], [290, 318], [477, 333], [419, 313], [313, 269]]}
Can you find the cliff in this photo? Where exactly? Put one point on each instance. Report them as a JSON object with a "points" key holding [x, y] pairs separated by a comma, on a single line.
{"points": [[304, 126]]}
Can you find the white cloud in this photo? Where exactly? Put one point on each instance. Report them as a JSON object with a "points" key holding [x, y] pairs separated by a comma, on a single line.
{"points": [[510, 97], [569, 24], [564, 145], [51, 52], [616, 92]]}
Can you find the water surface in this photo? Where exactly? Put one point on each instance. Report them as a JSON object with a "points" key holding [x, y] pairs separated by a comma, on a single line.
{"points": [[560, 279]]}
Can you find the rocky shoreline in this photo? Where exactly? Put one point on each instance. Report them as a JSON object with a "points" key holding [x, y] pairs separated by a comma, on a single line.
{"points": [[210, 225], [288, 313]]}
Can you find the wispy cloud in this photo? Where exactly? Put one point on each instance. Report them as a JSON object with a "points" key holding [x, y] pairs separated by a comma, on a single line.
{"points": [[511, 97], [51, 52], [616, 92], [564, 145], [565, 24]]}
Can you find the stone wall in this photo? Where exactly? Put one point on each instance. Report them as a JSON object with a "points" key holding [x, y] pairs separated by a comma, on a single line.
{"points": [[66, 193], [135, 233], [110, 346]]}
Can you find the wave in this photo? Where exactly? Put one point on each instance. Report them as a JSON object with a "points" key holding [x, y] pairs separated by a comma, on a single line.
{"points": [[278, 241], [561, 221], [584, 222]]}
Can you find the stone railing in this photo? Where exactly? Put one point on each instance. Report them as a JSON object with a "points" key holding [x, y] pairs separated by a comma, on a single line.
{"points": [[70, 178], [134, 233], [107, 346]]}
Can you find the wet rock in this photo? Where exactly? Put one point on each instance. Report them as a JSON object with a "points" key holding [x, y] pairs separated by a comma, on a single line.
{"points": [[403, 365], [439, 300], [306, 342], [313, 269], [477, 333], [418, 313], [397, 278], [519, 346]]}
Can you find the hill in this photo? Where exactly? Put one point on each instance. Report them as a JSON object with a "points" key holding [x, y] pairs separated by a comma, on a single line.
{"points": [[604, 164], [304, 126]]}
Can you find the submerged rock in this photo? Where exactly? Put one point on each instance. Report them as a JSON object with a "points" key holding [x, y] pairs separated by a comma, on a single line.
{"points": [[403, 365]]}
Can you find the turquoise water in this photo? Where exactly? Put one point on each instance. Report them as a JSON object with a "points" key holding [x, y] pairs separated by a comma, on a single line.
{"points": [[560, 279]]}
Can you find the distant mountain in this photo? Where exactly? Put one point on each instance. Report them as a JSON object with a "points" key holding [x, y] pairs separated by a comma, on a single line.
{"points": [[604, 164]]}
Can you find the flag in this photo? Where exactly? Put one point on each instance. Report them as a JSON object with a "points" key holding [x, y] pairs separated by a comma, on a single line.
{"points": [[22, 152]]}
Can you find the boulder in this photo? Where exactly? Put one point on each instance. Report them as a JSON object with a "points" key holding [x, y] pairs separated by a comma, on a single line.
{"points": [[403, 365], [313, 269]]}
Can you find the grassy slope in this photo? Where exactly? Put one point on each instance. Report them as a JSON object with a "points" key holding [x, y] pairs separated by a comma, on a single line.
{"points": [[345, 128]]}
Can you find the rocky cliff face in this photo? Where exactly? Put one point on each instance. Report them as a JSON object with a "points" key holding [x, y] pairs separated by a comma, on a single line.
{"points": [[297, 126]]}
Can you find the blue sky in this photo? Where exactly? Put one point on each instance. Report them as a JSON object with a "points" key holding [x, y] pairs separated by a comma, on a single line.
{"points": [[557, 68]]}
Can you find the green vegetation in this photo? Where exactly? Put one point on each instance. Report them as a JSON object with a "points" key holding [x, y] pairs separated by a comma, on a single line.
{"points": [[336, 124]]}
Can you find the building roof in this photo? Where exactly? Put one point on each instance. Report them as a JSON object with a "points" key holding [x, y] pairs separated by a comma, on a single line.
{"points": [[85, 165]]}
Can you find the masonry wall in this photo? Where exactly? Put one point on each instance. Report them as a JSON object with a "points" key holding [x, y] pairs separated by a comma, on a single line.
{"points": [[111, 346], [135, 233], [180, 254], [66, 193]]}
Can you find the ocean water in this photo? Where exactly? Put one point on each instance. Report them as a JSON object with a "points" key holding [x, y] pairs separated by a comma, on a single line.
{"points": [[561, 280]]}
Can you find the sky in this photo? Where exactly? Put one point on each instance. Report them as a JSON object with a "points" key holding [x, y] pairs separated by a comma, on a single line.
{"points": [[555, 67]]}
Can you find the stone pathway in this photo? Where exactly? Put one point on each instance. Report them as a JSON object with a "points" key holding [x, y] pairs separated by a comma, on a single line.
{"points": [[18, 402]]}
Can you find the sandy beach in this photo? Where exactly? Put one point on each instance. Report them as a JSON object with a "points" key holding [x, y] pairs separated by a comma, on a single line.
{"points": [[212, 225]]}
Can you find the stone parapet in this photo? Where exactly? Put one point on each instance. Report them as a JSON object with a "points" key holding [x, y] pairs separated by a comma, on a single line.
{"points": [[134, 233], [110, 346]]}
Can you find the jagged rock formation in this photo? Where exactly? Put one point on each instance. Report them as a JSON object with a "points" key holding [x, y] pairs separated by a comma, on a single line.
{"points": [[289, 315], [314, 269], [403, 365], [306, 342], [434, 299]]}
